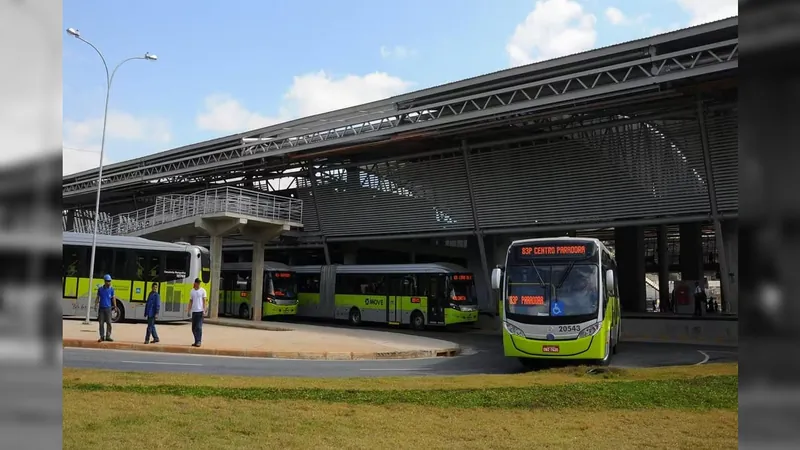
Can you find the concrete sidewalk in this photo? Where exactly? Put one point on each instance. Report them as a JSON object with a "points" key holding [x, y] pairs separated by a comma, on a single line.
{"points": [[266, 342]]}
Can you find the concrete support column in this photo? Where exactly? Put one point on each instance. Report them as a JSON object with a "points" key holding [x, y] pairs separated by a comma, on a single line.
{"points": [[257, 281], [729, 266], [691, 251], [663, 266], [629, 244], [216, 275]]}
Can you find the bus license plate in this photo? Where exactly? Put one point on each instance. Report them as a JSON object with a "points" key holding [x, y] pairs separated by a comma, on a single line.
{"points": [[550, 349]]}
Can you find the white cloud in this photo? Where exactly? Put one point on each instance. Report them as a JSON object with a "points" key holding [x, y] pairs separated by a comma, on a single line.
{"points": [[397, 52], [81, 140], [553, 29], [309, 94], [704, 11], [224, 113], [617, 17], [80, 159]]}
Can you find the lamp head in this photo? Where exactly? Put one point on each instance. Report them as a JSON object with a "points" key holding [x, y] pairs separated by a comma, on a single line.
{"points": [[74, 32], [150, 56]]}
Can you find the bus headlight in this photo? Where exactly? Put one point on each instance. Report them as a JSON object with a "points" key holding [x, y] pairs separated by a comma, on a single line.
{"points": [[514, 330], [591, 330], [455, 306]]}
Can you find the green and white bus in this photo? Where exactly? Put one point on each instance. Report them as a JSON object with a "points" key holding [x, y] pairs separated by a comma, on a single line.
{"points": [[560, 300], [408, 294], [279, 294], [134, 264]]}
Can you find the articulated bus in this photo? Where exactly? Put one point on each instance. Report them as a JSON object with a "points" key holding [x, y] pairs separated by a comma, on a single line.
{"points": [[279, 295], [408, 294], [560, 300], [134, 265]]}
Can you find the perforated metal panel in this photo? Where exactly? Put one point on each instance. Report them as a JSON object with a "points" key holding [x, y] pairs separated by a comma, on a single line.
{"points": [[627, 171], [723, 142], [427, 195]]}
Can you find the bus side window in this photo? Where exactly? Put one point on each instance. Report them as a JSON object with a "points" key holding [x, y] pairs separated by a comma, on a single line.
{"points": [[122, 269], [103, 259], [409, 286], [176, 266], [75, 261], [423, 285]]}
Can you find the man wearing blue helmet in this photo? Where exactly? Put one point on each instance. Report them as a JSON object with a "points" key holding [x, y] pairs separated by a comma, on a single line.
{"points": [[105, 302]]}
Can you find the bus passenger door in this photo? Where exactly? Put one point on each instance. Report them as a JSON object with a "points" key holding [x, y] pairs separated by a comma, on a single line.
{"points": [[394, 288], [436, 299]]}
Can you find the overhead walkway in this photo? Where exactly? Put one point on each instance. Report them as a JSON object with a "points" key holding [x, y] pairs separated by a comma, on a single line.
{"points": [[216, 213]]}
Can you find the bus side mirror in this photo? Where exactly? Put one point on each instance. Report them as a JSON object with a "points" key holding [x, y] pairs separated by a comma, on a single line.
{"points": [[497, 277], [609, 280]]}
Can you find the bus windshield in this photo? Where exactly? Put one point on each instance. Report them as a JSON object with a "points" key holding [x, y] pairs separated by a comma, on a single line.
{"points": [[463, 291], [557, 290], [284, 285]]}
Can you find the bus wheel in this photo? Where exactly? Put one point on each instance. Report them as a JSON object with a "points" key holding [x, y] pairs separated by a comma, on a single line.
{"points": [[118, 314], [244, 312], [355, 317], [417, 321]]}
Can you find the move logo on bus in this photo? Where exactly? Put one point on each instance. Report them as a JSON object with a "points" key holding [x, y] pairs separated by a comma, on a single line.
{"points": [[374, 302], [526, 300]]}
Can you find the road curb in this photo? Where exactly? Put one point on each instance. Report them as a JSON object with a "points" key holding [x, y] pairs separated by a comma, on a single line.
{"points": [[331, 356]]}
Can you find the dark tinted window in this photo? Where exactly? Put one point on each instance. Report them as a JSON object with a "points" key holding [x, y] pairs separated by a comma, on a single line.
{"points": [[75, 262], [103, 262], [176, 266], [308, 282]]}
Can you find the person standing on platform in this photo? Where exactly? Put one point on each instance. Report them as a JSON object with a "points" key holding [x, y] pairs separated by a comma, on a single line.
{"points": [[151, 309], [106, 302], [198, 306]]}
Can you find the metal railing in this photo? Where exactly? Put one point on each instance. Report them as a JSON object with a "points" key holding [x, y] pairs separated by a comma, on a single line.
{"points": [[171, 208]]}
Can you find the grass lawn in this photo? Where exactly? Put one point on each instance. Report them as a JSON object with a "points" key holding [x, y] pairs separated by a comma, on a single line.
{"points": [[685, 407]]}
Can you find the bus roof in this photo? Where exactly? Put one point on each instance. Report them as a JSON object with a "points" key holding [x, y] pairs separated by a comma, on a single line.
{"points": [[104, 240], [595, 241], [268, 265], [387, 268]]}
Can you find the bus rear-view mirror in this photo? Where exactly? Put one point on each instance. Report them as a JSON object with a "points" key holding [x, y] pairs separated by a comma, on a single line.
{"points": [[609, 280], [497, 276]]}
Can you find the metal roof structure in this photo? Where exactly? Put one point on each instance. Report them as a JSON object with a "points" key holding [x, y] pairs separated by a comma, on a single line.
{"points": [[637, 78]]}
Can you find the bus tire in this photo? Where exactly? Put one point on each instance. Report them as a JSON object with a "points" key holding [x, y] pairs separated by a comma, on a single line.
{"points": [[118, 314], [355, 317], [244, 311], [417, 321]]}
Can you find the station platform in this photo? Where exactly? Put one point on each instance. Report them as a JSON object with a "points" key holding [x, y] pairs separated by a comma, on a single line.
{"points": [[262, 340]]}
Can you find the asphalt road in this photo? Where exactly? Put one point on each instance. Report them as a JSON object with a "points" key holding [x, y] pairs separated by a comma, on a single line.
{"points": [[481, 355]]}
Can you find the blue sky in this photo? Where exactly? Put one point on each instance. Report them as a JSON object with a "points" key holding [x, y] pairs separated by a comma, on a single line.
{"points": [[226, 67]]}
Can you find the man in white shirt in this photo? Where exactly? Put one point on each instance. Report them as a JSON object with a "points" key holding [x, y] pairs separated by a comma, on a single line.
{"points": [[198, 306]]}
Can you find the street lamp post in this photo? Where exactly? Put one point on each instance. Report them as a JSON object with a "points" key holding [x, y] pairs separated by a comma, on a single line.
{"points": [[109, 78]]}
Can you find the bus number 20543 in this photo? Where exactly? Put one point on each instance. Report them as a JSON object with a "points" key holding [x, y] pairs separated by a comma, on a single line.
{"points": [[569, 329]]}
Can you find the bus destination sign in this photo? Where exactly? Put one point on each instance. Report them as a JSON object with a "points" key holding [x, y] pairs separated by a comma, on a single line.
{"points": [[554, 251], [282, 275]]}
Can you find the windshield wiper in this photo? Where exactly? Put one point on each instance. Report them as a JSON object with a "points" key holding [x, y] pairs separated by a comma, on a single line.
{"points": [[566, 274], [537, 273]]}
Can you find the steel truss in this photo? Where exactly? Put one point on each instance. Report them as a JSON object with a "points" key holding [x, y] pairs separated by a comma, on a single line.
{"points": [[617, 79]]}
